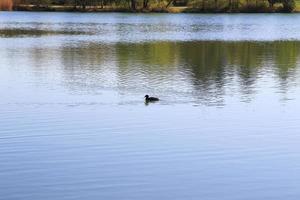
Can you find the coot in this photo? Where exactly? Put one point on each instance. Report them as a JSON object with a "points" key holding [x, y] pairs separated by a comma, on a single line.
{"points": [[150, 99]]}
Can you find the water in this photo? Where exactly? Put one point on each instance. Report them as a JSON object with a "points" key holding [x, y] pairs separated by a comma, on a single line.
{"points": [[73, 123]]}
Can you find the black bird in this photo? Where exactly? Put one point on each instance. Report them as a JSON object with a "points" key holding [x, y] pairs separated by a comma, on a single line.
{"points": [[150, 99]]}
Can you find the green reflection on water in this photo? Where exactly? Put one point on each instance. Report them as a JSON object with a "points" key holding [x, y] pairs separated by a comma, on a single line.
{"points": [[208, 66], [202, 71]]}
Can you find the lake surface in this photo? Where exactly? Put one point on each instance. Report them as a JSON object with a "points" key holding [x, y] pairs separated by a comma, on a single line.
{"points": [[74, 125]]}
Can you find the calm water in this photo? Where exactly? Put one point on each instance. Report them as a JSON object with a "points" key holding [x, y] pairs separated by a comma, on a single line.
{"points": [[73, 123]]}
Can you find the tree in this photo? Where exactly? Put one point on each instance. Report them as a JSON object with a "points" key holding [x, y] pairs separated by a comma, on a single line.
{"points": [[289, 5], [6, 5], [133, 4], [145, 4]]}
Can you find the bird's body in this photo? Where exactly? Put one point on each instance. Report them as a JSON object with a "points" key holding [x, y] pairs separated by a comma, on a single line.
{"points": [[150, 99]]}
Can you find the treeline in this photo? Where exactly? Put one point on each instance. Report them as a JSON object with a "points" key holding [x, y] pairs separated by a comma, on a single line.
{"points": [[89, 4], [150, 5]]}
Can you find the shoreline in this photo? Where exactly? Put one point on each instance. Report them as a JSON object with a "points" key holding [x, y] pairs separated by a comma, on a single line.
{"points": [[56, 8]]}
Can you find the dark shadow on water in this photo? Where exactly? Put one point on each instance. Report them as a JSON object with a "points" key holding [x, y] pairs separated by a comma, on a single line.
{"points": [[15, 33]]}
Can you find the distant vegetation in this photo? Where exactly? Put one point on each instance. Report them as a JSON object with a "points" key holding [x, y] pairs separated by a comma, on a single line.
{"points": [[154, 5], [6, 5]]}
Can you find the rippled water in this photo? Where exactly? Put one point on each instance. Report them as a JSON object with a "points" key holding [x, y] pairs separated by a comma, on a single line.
{"points": [[74, 125]]}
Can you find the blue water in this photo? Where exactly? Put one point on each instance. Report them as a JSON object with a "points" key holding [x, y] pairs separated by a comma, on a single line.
{"points": [[74, 125]]}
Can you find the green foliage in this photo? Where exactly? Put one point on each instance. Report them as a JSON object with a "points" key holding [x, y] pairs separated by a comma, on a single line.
{"points": [[289, 5], [191, 5]]}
